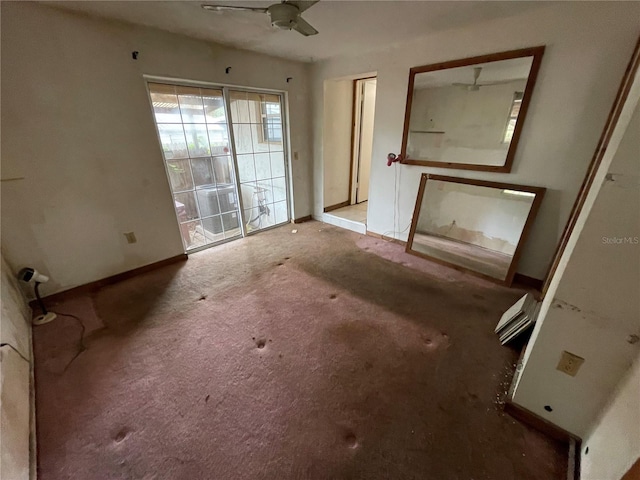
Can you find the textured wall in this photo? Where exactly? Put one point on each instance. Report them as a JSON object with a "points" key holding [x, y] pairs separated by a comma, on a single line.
{"points": [[573, 94], [591, 308], [614, 440], [77, 128], [338, 107]]}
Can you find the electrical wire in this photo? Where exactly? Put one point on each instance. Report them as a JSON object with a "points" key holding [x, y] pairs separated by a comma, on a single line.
{"points": [[396, 198], [36, 289], [81, 346], [396, 209]]}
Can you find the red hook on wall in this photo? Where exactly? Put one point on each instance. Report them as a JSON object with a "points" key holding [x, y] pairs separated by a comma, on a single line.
{"points": [[393, 158]]}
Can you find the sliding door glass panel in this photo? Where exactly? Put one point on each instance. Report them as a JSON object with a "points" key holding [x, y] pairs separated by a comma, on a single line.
{"points": [[258, 135], [194, 135], [191, 105]]}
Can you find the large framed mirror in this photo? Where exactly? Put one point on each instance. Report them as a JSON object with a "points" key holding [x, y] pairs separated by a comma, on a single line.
{"points": [[473, 225], [468, 114]]}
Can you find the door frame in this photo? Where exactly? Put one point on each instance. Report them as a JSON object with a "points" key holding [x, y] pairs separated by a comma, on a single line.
{"points": [[356, 124], [284, 104]]}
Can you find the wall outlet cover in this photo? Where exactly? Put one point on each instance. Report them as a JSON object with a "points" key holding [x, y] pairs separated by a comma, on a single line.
{"points": [[569, 363], [131, 237]]}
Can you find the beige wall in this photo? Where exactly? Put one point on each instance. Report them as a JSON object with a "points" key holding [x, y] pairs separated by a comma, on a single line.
{"points": [[338, 108], [78, 132], [614, 440], [15, 376], [591, 308], [588, 45], [479, 215], [473, 122]]}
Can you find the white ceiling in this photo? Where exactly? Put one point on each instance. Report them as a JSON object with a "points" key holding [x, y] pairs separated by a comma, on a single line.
{"points": [[346, 27]]}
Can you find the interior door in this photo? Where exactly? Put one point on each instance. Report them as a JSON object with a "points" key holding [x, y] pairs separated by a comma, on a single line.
{"points": [[259, 138], [365, 149]]}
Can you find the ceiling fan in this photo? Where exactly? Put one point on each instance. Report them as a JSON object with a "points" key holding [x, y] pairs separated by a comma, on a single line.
{"points": [[475, 86], [284, 15]]}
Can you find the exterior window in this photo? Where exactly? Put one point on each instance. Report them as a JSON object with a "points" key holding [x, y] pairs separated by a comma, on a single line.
{"points": [[513, 116], [271, 121]]}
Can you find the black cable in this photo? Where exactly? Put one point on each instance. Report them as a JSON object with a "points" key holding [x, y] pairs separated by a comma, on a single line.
{"points": [[40, 302], [15, 350], [81, 346]]}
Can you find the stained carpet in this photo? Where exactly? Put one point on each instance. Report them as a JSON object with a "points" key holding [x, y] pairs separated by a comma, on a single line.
{"points": [[320, 354]]}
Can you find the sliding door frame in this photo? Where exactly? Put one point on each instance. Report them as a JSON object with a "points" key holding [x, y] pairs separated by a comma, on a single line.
{"points": [[284, 109], [236, 172]]}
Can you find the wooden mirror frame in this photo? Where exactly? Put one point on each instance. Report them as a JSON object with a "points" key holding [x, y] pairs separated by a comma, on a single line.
{"points": [[535, 52], [535, 206]]}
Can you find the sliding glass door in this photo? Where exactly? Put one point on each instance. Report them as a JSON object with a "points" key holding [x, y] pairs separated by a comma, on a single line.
{"points": [[258, 136], [208, 165]]}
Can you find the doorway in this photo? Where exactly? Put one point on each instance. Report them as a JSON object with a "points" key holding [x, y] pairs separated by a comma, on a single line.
{"points": [[363, 122], [349, 110], [223, 152]]}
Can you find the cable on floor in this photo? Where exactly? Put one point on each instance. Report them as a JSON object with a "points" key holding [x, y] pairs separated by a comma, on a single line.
{"points": [[81, 346]]}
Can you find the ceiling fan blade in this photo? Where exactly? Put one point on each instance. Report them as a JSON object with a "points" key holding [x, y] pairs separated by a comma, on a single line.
{"points": [[221, 8], [470, 87], [305, 28], [500, 82], [302, 5]]}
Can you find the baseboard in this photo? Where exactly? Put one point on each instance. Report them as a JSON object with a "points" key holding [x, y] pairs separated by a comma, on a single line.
{"points": [[573, 464], [337, 206], [33, 444], [574, 443], [634, 472], [386, 239], [308, 218], [93, 286], [541, 424], [528, 281]]}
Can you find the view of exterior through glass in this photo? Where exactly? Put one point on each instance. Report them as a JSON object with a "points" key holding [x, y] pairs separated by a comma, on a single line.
{"points": [[193, 127]]}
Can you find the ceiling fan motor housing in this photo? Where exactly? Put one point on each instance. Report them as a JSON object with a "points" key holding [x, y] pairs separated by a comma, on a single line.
{"points": [[283, 15]]}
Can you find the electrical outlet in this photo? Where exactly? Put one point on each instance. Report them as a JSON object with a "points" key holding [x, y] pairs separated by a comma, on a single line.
{"points": [[569, 363], [295, 156], [131, 237]]}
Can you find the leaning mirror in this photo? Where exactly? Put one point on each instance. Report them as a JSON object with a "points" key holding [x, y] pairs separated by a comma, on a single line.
{"points": [[468, 114], [473, 225]]}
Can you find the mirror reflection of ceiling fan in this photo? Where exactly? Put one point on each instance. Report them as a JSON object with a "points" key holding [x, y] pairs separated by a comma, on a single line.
{"points": [[475, 86], [285, 15]]}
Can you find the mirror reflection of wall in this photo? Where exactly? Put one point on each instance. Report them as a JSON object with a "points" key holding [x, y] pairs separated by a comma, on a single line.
{"points": [[473, 226], [467, 114]]}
